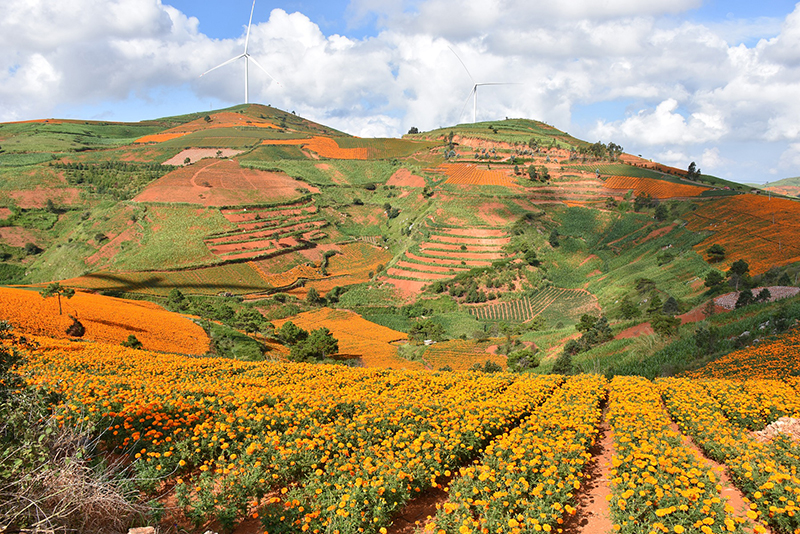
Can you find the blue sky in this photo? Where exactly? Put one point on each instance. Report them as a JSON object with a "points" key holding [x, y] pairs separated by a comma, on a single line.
{"points": [[673, 80]]}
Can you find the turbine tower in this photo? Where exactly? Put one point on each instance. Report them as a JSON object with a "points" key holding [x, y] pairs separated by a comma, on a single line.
{"points": [[247, 58], [474, 92]]}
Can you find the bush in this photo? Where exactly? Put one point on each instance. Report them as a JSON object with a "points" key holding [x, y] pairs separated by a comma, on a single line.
{"points": [[132, 342]]}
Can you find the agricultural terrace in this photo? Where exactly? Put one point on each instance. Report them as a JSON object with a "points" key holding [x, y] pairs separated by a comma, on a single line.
{"points": [[354, 147], [303, 448], [573, 303], [616, 169], [358, 338], [351, 264], [267, 231], [761, 230], [469, 174], [447, 252], [460, 355], [214, 182], [660, 189], [224, 119], [234, 278], [105, 319]]}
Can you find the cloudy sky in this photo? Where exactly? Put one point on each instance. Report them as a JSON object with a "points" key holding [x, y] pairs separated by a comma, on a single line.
{"points": [[711, 81]]}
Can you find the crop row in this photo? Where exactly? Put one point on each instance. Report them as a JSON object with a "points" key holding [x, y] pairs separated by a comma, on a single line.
{"points": [[527, 308], [658, 484], [765, 472], [654, 188], [527, 478], [763, 231], [468, 174]]}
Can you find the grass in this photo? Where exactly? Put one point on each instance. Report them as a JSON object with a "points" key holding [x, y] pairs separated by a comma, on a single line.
{"points": [[172, 237]]}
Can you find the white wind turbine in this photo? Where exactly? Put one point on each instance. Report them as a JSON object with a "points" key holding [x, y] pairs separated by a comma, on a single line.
{"points": [[474, 92], [247, 58]]}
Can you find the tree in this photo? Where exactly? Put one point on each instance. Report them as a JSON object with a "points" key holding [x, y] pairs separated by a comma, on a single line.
{"points": [[655, 304], [670, 306], [176, 301], [642, 200], [58, 290], [563, 364], [553, 239], [628, 309], [187, 160], [291, 334], [31, 249], [705, 338], [764, 295], [693, 173], [745, 298], [714, 279], [312, 297], [739, 272], [317, 346], [426, 329], [661, 213], [664, 325], [413, 130], [533, 174], [249, 319], [716, 253]]}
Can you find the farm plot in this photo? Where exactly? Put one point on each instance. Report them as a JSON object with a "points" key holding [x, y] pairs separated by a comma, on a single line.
{"points": [[446, 252], [325, 147], [214, 182], [235, 278], [616, 170], [106, 319], [459, 355], [358, 338], [469, 174], [757, 229], [570, 302], [660, 189]]}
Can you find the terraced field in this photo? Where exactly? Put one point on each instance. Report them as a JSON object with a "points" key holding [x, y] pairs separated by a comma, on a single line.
{"points": [[447, 252], [571, 302], [267, 231]]}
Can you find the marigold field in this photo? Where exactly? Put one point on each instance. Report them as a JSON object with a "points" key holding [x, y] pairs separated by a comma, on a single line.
{"points": [[323, 448]]}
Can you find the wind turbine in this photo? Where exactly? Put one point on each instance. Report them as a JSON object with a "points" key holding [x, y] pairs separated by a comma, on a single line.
{"points": [[474, 92], [247, 58]]}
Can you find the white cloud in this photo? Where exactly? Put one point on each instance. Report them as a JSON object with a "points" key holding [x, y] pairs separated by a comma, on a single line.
{"points": [[685, 86]]}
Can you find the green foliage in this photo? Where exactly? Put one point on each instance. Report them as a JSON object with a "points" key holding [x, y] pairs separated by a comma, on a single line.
{"points": [[628, 310], [57, 290], [291, 334], [11, 274], [716, 253], [319, 345], [522, 360], [118, 179], [665, 325], [132, 342], [426, 329]]}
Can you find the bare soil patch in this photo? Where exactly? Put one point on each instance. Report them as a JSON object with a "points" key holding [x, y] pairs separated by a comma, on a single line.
{"points": [[223, 182], [405, 178], [38, 197], [643, 329], [196, 154], [658, 232], [728, 300], [406, 288], [17, 237], [589, 258], [495, 213]]}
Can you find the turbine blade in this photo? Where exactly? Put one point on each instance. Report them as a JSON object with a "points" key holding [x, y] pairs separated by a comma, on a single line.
{"points": [[501, 83], [222, 64], [247, 39], [251, 58], [462, 64], [474, 88]]}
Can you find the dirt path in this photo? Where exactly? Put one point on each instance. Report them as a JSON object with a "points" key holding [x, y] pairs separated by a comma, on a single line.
{"points": [[417, 511], [594, 515], [729, 492]]}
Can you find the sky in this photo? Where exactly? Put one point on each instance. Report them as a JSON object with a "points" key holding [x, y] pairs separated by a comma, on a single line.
{"points": [[710, 81]]}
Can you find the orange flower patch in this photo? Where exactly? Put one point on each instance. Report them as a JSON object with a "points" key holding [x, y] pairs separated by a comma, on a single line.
{"points": [[357, 337], [468, 174], [105, 319], [654, 188], [324, 146]]}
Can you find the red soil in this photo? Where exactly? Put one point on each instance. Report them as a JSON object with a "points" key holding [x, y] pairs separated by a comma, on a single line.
{"points": [[446, 261], [431, 268], [589, 258], [465, 255], [17, 237], [37, 198], [643, 329], [658, 232], [495, 213], [110, 249], [404, 178], [4, 213], [413, 274], [222, 182], [485, 242], [196, 154], [406, 288]]}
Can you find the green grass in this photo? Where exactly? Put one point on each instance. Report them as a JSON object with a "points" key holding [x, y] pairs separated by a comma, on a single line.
{"points": [[621, 169], [70, 137], [172, 237], [23, 160]]}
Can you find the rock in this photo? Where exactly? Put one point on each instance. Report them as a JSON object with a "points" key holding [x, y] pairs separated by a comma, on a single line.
{"points": [[142, 530]]}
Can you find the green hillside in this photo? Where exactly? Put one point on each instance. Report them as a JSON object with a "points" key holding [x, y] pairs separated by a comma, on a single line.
{"points": [[506, 228]]}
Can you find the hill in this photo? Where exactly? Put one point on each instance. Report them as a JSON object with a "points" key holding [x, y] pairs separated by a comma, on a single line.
{"points": [[514, 324]]}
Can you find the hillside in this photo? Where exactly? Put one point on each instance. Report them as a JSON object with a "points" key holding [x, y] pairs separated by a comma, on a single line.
{"points": [[493, 327]]}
